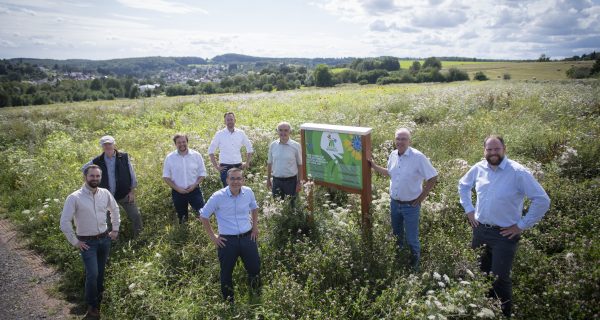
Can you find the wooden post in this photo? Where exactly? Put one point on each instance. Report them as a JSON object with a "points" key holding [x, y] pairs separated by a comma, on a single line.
{"points": [[366, 193]]}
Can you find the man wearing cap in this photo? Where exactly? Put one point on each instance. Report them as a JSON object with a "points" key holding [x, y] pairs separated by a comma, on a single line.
{"points": [[229, 141], [88, 207], [183, 171], [284, 163], [237, 219], [408, 168], [119, 178]]}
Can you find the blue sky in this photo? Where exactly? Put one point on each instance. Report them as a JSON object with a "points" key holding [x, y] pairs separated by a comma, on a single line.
{"points": [[507, 29]]}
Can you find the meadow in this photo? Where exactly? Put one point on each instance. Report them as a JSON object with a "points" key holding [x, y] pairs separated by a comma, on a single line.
{"points": [[324, 269], [552, 70]]}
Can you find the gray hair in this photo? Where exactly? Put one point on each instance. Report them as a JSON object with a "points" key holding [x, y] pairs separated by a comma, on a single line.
{"points": [[284, 123], [403, 130]]}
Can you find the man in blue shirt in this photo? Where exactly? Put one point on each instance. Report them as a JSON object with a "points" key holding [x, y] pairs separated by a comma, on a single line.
{"points": [[236, 212], [501, 186]]}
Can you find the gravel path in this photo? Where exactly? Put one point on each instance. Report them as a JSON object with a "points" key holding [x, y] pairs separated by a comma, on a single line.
{"points": [[25, 280]]}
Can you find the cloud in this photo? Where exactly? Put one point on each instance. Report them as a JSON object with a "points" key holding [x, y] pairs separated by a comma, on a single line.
{"points": [[7, 44], [379, 6], [380, 26], [162, 6], [439, 19]]}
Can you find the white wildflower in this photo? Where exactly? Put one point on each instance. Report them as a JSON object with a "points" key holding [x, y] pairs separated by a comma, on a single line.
{"points": [[437, 276], [470, 273], [41, 212], [446, 278], [26, 211], [45, 206], [56, 200], [485, 313], [465, 283], [441, 284], [158, 255], [132, 286]]}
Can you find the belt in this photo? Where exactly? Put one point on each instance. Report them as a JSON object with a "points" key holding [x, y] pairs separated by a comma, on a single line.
{"points": [[241, 235], [236, 165], [285, 179], [404, 202], [96, 237], [490, 226]]}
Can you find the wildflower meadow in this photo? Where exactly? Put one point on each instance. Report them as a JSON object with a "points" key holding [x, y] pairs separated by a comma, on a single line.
{"points": [[322, 268]]}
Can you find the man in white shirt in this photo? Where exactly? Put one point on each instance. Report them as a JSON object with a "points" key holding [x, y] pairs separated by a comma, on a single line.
{"points": [[284, 163], [183, 171], [408, 168], [229, 141], [88, 207]]}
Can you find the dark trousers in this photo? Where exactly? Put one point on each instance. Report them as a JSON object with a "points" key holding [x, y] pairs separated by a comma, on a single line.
{"points": [[285, 187], [226, 168], [182, 200], [235, 247], [497, 258], [94, 262]]}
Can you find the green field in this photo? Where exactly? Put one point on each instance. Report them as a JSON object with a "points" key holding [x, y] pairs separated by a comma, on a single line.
{"points": [[325, 269], [555, 70]]}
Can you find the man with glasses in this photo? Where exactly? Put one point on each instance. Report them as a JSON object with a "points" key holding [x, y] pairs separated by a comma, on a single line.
{"points": [[408, 168], [236, 212], [497, 218]]}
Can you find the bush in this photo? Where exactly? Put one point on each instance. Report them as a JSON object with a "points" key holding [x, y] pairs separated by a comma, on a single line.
{"points": [[506, 76], [363, 82], [579, 72], [373, 75], [267, 87], [455, 74], [480, 76]]}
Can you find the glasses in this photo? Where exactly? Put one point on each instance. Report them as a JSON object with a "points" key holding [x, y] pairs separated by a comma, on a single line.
{"points": [[236, 178]]}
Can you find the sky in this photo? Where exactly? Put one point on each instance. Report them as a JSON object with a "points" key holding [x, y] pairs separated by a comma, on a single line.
{"points": [[108, 29]]}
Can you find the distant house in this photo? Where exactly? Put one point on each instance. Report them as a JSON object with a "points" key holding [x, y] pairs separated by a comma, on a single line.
{"points": [[150, 87]]}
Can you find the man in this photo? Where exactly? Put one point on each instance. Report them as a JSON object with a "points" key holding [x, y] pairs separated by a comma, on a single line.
{"points": [[183, 171], [88, 207], [229, 142], [408, 168], [501, 185], [237, 219], [284, 164], [119, 178]]}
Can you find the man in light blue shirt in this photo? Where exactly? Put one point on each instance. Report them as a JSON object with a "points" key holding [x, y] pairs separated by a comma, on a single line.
{"points": [[501, 186], [236, 212]]}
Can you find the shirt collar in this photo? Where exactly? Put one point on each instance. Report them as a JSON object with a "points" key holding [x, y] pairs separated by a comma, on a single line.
{"points": [[231, 194], [407, 153], [502, 164], [86, 189]]}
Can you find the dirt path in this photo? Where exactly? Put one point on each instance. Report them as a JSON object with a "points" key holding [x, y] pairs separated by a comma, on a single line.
{"points": [[25, 281]]}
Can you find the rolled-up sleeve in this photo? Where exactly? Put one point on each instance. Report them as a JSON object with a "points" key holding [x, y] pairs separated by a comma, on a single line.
{"points": [[66, 218], [540, 202], [465, 185]]}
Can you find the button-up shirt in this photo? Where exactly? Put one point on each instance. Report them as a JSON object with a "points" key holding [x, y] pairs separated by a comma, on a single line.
{"points": [[110, 167], [501, 193], [229, 145], [232, 212], [407, 173], [284, 158], [89, 211], [184, 170]]}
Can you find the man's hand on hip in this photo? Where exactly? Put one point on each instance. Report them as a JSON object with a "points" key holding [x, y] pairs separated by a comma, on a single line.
{"points": [[511, 231], [472, 221]]}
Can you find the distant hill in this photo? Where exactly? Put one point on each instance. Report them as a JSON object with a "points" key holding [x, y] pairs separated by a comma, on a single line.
{"points": [[136, 67], [234, 58]]}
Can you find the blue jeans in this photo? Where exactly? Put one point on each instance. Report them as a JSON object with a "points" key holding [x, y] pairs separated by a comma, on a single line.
{"points": [[236, 247], [94, 262], [182, 200], [405, 226], [497, 257], [226, 168]]}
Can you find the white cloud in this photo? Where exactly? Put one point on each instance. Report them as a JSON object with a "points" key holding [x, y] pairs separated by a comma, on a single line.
{"points": [[162, 6], [7, 44]]}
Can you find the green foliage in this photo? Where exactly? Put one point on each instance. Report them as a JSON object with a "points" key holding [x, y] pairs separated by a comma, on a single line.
{"points": [[576, 72], [480, 76], [455, 74], [506, 76], [433, 63], [323, 268], [323, 77]]}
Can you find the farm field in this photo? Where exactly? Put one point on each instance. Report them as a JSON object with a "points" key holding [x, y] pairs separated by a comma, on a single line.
{"points": [[554, 70], [325, 269]]}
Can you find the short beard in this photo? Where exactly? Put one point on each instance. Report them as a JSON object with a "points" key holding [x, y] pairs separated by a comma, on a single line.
{"points": [[489, 160], [93, 183]]}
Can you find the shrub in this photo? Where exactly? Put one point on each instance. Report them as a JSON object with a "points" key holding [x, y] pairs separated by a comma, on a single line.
{"points": [[578, 72], [480, 76], [506, 76], [455, 74]]}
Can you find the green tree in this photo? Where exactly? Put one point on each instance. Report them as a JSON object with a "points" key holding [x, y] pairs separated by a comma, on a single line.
{"points": [[415, 67], [596, 67], [433, 63], [96, 85], [323, 77], [390, 64], [480, 76]]}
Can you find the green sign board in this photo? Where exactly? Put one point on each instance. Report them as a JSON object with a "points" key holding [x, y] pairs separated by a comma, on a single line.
{"points": [[334, 157]]}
